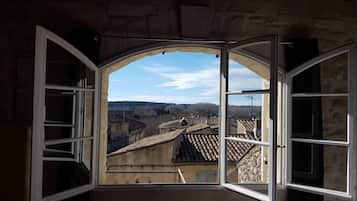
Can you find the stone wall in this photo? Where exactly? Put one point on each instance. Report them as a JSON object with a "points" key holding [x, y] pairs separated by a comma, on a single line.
{"points": [[333, 76], [249, 168]]}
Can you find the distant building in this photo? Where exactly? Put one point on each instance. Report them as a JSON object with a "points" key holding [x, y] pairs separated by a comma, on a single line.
{"points": [[173, 125], [123, 131], [186, 155]]}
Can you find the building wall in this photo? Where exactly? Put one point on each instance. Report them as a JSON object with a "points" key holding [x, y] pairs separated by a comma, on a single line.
{"points": [[160, 154], [249, 168], [157, 174]]}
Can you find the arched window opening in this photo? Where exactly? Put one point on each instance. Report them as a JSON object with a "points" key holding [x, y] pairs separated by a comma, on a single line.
{"points": [[163, 119]]}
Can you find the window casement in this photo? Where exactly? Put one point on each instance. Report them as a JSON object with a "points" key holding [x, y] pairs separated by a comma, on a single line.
{"points": [[267, 142], [321, 124], [65, 121]]}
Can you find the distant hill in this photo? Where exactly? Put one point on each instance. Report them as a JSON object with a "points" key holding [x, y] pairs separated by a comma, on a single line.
{"points": [[131, 105], [140, 109]]}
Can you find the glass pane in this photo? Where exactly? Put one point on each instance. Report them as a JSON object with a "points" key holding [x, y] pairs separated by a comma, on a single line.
{"points": [[59, 176], [319, 165], [249, 68], [248, 116], [60, 106], [247, 165], [62, 68], [69, 114], [53, 133], [329, 76], [323, 118]]}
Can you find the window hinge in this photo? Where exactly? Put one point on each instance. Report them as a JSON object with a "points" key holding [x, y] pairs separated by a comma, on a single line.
{"points": [[281, 146]]}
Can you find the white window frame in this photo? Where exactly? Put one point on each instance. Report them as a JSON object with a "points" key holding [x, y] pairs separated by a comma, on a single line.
{"points": [[350, 193], [38, 138], [273, 90]]}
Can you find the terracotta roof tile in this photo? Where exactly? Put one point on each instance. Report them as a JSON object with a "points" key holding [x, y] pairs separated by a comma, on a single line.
{"points": [[202, 146]]}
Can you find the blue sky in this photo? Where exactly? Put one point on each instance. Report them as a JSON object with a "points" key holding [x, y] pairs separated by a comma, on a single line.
{"points": [[177, 77]]}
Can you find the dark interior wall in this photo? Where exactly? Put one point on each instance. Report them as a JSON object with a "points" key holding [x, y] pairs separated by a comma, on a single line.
{"points": [[332, 23]]}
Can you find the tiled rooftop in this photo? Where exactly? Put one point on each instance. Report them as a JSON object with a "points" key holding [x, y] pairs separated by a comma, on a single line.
{"points": [[202, 146], [199, 143]]}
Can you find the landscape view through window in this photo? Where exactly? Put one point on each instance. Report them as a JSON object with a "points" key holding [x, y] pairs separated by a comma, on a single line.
{"points": [[163, 122]]}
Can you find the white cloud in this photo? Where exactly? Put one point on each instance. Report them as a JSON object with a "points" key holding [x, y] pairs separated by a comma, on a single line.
{"points": [[114, 80], [241, 78], [175, 78], [206, 79]]}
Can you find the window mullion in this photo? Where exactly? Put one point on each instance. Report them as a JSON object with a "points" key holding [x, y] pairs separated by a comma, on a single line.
{"points": [[351, 122], [273, 116], [223, 114]]}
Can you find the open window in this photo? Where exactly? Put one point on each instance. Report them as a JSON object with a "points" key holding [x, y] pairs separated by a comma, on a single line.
{"points": [[236, 93], [321, 125], [319, 122], [64, 121]]}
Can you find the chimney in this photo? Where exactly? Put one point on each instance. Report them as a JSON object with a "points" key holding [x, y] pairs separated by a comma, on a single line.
{"points": [[257, 128], [240, 127]]}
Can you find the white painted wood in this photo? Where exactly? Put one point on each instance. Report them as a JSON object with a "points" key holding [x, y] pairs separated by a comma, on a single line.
{"points": [[57, 151], [247, 192], [70, 48], [325, 142], [351, 122], [266, 144], [223, 115], [96, 131], [38, 114], [273, 128], [39, 122], [320, 191], [67, 140], [69, 88], [59, 125], [59, 159], [319, 94], [69, 193], [319, 59], [260, 40], [55, 122], [272, 144], [243, 92], [289, 120]]}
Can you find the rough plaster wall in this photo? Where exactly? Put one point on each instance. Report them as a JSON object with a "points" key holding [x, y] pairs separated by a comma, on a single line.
{"points": [[158, 154], [333, 23], [249, 168], [166, 174]]}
